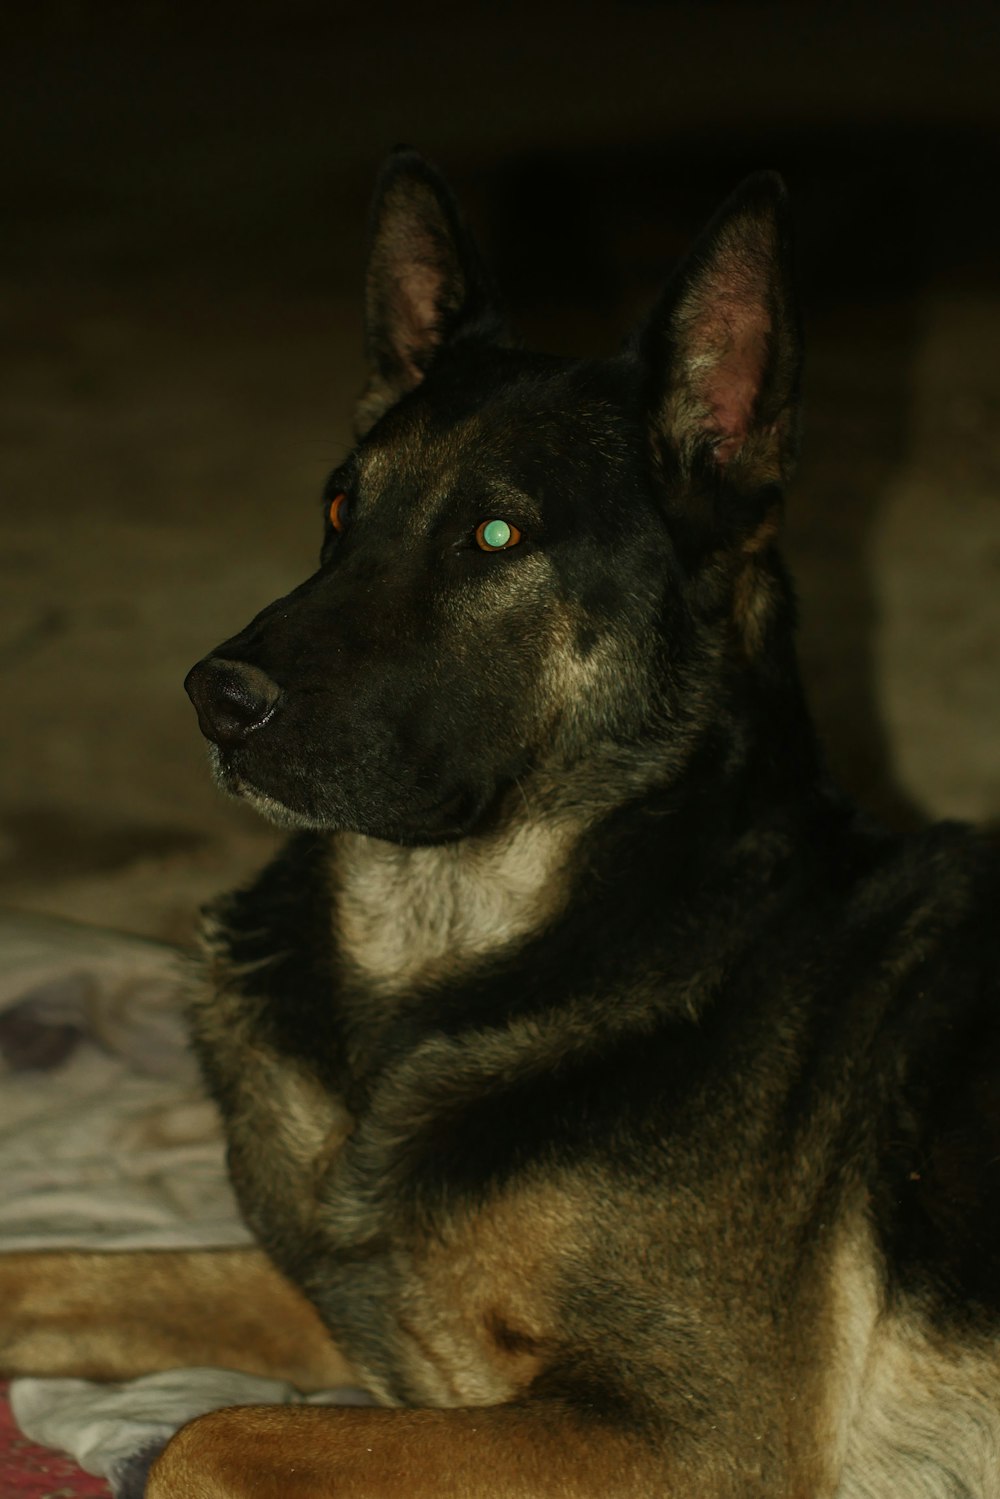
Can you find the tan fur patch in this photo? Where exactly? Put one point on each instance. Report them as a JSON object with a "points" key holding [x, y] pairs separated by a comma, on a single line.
{"points": [[412, 915], [927, 1424], [912, 1414], [853, 1306], [753, 589], [753, 600], [281, 1113], [478, 1319]]}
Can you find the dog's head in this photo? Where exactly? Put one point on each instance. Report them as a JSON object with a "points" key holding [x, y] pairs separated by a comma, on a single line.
{"points": [[529, 564]]}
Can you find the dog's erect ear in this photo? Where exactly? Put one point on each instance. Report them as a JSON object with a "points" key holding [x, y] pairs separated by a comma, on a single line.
{"points": [[426, 287], [723, 349]]}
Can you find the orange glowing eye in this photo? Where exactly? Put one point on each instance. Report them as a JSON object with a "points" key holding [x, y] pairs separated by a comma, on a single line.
{"points": [[496, 535], [338, 512]]}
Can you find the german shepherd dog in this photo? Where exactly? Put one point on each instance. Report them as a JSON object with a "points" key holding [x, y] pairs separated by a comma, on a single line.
{"points": [[615, 1100]]}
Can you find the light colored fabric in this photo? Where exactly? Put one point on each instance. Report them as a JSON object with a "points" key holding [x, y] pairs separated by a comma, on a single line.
{"points": [[106, 1427], [115, 1147], [108, 1141]]}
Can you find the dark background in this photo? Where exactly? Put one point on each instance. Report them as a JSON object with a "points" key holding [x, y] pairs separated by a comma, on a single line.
{"points": [[184, 194]]}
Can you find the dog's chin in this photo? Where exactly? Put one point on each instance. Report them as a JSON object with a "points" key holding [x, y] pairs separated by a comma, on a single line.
{"points": [[444, 821], [236, 785], [447, 821], [275, 811]]}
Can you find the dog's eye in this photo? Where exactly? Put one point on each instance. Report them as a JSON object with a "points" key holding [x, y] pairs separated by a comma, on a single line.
{"points": [[496, 535], [338, 512]]}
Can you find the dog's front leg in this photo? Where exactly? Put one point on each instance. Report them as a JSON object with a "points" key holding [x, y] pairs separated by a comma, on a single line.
{"points": [[115, 1315], [525, 1451]]}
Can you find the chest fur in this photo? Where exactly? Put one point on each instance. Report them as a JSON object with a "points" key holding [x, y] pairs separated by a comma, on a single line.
{"points": [[461, 1314], [412, 916]]}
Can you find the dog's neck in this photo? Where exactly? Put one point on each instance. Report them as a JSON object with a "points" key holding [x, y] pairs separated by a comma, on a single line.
{"points": [[412, 916], [406, 917]]}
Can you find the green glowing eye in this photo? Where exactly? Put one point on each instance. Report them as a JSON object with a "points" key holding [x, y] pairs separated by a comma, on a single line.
{"points": [[496, 535]]}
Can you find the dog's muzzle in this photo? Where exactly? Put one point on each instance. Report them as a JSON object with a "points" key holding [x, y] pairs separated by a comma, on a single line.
{"points": [[231, 698]]}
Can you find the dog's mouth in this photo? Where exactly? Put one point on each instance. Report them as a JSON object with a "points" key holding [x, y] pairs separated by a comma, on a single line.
{"points": [[239, 786], [438, 820]]}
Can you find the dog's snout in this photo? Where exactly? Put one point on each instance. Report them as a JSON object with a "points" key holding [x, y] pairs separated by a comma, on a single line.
{"points": [[231, 699]]}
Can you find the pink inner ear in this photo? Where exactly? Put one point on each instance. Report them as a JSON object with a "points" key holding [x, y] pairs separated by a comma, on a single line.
{"points": [[416, 316], [729, 372]]}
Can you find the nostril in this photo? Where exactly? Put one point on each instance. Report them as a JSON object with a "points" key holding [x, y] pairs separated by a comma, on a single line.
{"points": [[231, 699]]}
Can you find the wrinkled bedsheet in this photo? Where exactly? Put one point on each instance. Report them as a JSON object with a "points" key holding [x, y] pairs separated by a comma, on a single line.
{"points": [[107, 1140]]}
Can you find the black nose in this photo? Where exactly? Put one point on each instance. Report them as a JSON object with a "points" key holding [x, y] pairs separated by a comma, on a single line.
{"points": [[231, 699]]}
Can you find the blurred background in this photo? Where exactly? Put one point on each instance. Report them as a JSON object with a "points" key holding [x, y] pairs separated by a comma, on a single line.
{"points": [[184, 193]]}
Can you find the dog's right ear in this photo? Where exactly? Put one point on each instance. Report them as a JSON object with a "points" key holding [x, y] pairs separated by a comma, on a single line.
{"points": [[426, 288]]}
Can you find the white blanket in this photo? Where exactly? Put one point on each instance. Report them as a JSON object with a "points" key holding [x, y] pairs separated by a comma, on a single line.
{"points": [[107, 1141]]}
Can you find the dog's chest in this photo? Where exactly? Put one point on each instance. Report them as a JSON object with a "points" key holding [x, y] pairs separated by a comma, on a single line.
{"points": [[412, 916], [457, 1314], [460, 1314]]}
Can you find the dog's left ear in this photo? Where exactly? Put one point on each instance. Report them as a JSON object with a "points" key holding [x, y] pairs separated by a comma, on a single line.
{"points": [[426, 288], [722, 349]]}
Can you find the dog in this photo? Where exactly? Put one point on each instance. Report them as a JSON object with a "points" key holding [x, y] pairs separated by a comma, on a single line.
{"points": [[606, 1092]]}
